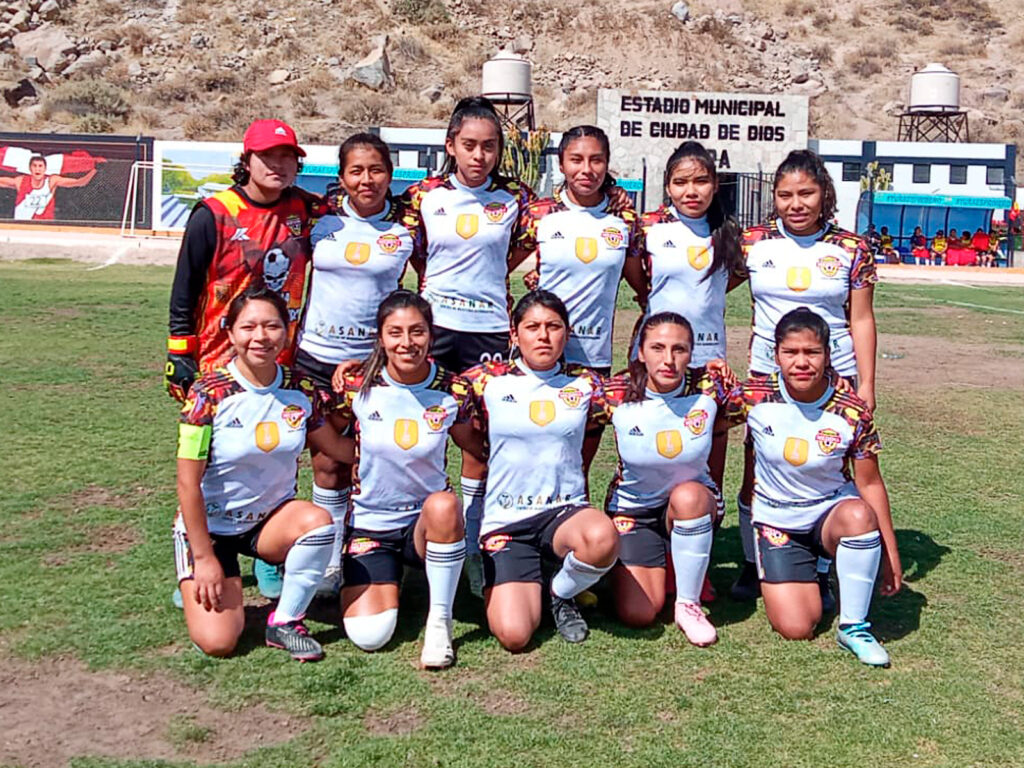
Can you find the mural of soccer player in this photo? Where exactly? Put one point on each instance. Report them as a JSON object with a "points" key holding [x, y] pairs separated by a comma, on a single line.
{"points": [[40, 177]]}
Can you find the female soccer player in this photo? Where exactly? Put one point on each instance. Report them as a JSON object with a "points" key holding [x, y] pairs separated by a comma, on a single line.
{"points": [[800, 259], [919, 247], [663, 498], [360, 251], [807, 437], [258, 230], [242, 429], [535, 411], [403, 509], [939, 247]]}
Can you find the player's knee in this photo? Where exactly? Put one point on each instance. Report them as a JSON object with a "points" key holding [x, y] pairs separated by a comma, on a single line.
{"points": [[313, 517], [514, 633], [599, 543], [858, 517], [371, 633], [441, 514], [795, 627], [217, 645], [639, 613], [690, 500]]}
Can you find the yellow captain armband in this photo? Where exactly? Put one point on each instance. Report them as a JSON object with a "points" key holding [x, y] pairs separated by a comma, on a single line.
{"points": [[194, 442]]}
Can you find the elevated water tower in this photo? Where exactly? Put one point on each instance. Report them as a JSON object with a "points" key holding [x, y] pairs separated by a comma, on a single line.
{"points": [[508, 82], [934, 113]]}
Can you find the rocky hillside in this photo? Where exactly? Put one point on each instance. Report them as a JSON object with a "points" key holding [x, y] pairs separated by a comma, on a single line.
{"points": [[200, 69]]}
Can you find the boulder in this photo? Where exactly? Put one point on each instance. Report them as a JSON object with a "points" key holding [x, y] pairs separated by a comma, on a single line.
{"points": [[681, 11], [278, 76], [47, 44], [23, 90], [432, 92], [995, 94], [86, 63], [374, 71], [49, 10]]}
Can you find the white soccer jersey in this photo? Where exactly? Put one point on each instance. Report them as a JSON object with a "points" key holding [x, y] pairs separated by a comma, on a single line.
{"points": [[580, 253], [678, 255], [663, 441], [466, 235], [402, 437], [251, 438], [535, 422], [802, 451], [356, 262], [788, 272]]}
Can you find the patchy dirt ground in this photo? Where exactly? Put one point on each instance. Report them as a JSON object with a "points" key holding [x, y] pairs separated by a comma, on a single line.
{"points": [[55, 709]]}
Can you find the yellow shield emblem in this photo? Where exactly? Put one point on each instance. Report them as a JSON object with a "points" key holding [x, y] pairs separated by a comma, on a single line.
{"points": [[407, 433], [357, 253], [466, 225], [795, 451], [698, 256], [542, 412], [268, 437], [586, 249], [798, 278], [670, 443]]}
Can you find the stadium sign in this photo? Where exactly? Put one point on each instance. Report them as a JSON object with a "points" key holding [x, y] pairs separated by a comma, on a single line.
{"points": [[747, 132]]}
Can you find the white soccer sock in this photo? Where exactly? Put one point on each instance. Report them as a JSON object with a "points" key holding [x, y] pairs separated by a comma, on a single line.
{"points": [[303, 569], [444, 566], [824, 564], [857, 559], [473, 492], [575, 576], [691, 551], [335, 502], [746, 531]]}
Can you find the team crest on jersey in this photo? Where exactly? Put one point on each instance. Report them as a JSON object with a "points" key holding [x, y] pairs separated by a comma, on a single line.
{"points": [[624, 524], [586, 249], [774, 536], [696, 420], [828, 440], [542, 412], [570, 396], [795, 451], [293, 416], [495, 212], [669, 443], [466, 225], [294, 224], [407, 433], [829, 265], [698, 256], [435, 416], [360, 546], [357, 253], [389, 243], [798, 279], [505, 500], [496, 542], [612, 236]]}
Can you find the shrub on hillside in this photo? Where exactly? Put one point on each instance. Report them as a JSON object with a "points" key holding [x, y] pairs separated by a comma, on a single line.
{"points": [[91, 96], [420, 11]]}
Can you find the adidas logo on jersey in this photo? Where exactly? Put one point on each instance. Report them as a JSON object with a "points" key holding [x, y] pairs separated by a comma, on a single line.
{"points": [[668, 244], [558, 236], [636, 432], [768, 265], [769, 431], [440, 212], [375, 416], [235, 424], [509, 399]]}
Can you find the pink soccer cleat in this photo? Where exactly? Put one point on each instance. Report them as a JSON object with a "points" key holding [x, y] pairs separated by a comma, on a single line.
{"points": [[695, 625]]}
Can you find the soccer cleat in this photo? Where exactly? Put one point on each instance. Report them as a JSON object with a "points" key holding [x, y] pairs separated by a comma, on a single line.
{"points": [[177, 599], [293, 637], [437, 645], [707, 592], [828, 599], [474, 568], [747, 587], [330, 585], [269, 578], [568, 620], [861, 643], [695, 625]]}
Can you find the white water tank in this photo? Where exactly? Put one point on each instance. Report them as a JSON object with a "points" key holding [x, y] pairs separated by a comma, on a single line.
{"points": [[935, 89], [507, 79]]}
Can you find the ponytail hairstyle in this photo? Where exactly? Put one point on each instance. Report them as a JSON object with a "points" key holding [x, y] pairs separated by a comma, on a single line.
{"points": [[473, 108], [583, 131], [546, 299], [336, 190], [806, 161], [802, 319], [257, 291], [725, 232], [636, 389], [394, 301]]}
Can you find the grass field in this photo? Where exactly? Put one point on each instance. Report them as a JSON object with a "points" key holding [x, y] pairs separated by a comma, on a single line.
{"points": [[95, 665]]}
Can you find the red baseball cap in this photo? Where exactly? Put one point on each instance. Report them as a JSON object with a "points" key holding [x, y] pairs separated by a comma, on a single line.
{"points": [[264, 134]]}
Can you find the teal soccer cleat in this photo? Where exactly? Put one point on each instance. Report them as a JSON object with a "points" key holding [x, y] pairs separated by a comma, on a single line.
{"points": [[861, 643]]}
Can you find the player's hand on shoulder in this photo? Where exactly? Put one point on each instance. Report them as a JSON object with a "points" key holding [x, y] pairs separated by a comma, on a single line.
{"points": [[344, 368], [721, 369]]}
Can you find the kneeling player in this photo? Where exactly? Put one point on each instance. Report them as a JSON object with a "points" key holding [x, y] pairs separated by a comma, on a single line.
{"points": [[536, 412], [662, 497], [806, 435], [403, 510], [242, 430]]}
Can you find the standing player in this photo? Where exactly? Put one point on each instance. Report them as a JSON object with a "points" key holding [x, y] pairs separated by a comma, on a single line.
{"points": [[662, 498], [800, 259], [807, 436], [535, 411], [242, 430], [360, 251], [403, 511], [257, 231]]}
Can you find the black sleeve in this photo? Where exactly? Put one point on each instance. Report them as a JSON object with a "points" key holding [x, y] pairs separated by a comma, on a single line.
{"points": [[197, 249]]}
